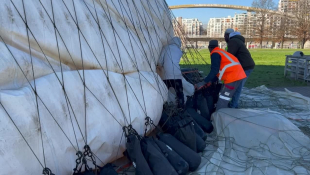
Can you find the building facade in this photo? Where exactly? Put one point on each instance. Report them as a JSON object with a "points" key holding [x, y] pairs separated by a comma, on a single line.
{"points": [[191, 27], [243, 23], [247, 23], [287, 5], [216, 26]]}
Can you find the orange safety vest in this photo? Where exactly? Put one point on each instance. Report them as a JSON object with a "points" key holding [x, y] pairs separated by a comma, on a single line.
{"points": [[230, 68]]}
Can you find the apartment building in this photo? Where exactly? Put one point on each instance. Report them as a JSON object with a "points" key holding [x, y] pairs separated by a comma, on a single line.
{"points": [[287, 5], [243, 23], [191, 27], [217, 26]]}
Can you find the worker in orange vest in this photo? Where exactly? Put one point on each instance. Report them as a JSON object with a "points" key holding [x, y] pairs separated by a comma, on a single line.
{"points": [[227, 69]]}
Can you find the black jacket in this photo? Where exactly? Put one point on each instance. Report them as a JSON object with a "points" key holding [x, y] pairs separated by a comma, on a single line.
{"points": [[236, 46]]}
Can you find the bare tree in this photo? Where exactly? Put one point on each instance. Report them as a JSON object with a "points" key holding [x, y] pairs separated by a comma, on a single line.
{"points": [[282, 28], [301, 24], [262, 28]]}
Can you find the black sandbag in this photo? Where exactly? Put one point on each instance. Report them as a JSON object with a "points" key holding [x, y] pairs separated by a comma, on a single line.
{"points": [[190, 102], [201, 144], [210, 103], [202, 106], [211, 95], [165, 121], [217, 90], [180, 126], [135, 155], [177, 162], [87, 172], [156, 160], [184, 131], [108, 170], [192, 158], [199, 131], [203, 123]]}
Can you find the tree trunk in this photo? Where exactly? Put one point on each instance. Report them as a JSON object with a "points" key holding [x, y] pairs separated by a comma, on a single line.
{"points": [[303, 44], [282, 42], [282, 45]]}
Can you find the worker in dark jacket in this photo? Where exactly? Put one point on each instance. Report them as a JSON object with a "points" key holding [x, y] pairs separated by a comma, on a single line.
{"points": [[237, 47], [226, 36], [227, 68]]}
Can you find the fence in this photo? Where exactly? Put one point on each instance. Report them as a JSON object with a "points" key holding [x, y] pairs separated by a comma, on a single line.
{"points": [[297, 67]]}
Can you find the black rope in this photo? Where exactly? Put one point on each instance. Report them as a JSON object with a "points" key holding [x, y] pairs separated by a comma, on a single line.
{"points": [[84, 85], [150, 45], [35, 88], [21, 134], [23, 71], [78, 71], [36, 92], [128, 54], [63, 80], [81, 33]]}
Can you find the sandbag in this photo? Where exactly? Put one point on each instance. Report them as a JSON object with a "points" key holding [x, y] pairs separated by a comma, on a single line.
{"points": [[190, 103], [164, 121], [202, 106], [136, 156], [200, 144], [178, 163], [203, 123], [108, 170], [192, 158], [199, 102], [183, 129], [88, 172], [156, 160], [211, 104], [217, 89], [199, 131], [211, 95]]}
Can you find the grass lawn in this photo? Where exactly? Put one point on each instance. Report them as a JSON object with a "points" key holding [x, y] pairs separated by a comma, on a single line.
{"points": [[269, 69]]}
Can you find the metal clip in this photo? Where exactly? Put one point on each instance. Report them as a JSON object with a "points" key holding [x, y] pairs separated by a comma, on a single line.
{"points": [[47, 171]]}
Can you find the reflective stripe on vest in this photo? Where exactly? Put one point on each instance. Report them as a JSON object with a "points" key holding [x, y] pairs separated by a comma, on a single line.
{"points": [[233, 63]]}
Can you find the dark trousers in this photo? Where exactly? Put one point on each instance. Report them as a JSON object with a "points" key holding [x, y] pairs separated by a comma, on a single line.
{"points": [[178, 88], [226, 94]]}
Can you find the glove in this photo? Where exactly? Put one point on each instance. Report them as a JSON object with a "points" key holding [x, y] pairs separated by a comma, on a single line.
{"points": [[201, 85]]}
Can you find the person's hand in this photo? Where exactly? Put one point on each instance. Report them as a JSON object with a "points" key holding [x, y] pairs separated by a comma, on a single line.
{"points": [[202, 85]]}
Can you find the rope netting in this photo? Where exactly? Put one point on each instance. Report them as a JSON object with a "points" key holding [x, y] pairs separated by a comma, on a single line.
{"points": [[52, 47], [75, 73]]}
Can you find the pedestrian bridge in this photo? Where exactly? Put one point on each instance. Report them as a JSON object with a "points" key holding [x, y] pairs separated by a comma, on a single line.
{"points": [[248, 38], [236, 7]]}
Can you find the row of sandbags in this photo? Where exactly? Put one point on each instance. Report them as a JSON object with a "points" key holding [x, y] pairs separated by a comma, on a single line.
{"points": [[181, 135]]}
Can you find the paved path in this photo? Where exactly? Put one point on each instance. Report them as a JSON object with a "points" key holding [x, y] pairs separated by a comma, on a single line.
{"points": [[304, 90]]}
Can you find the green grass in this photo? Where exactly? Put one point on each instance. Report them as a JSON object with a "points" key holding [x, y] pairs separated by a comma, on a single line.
{"points": [[269, 69]]}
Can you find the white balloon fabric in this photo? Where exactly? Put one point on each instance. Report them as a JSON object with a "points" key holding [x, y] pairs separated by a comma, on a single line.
{"points": [[256, 142], [76, 72], [59, 110]]}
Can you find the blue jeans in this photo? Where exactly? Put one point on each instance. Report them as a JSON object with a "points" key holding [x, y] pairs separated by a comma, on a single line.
{"points": [[234, 102]]}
